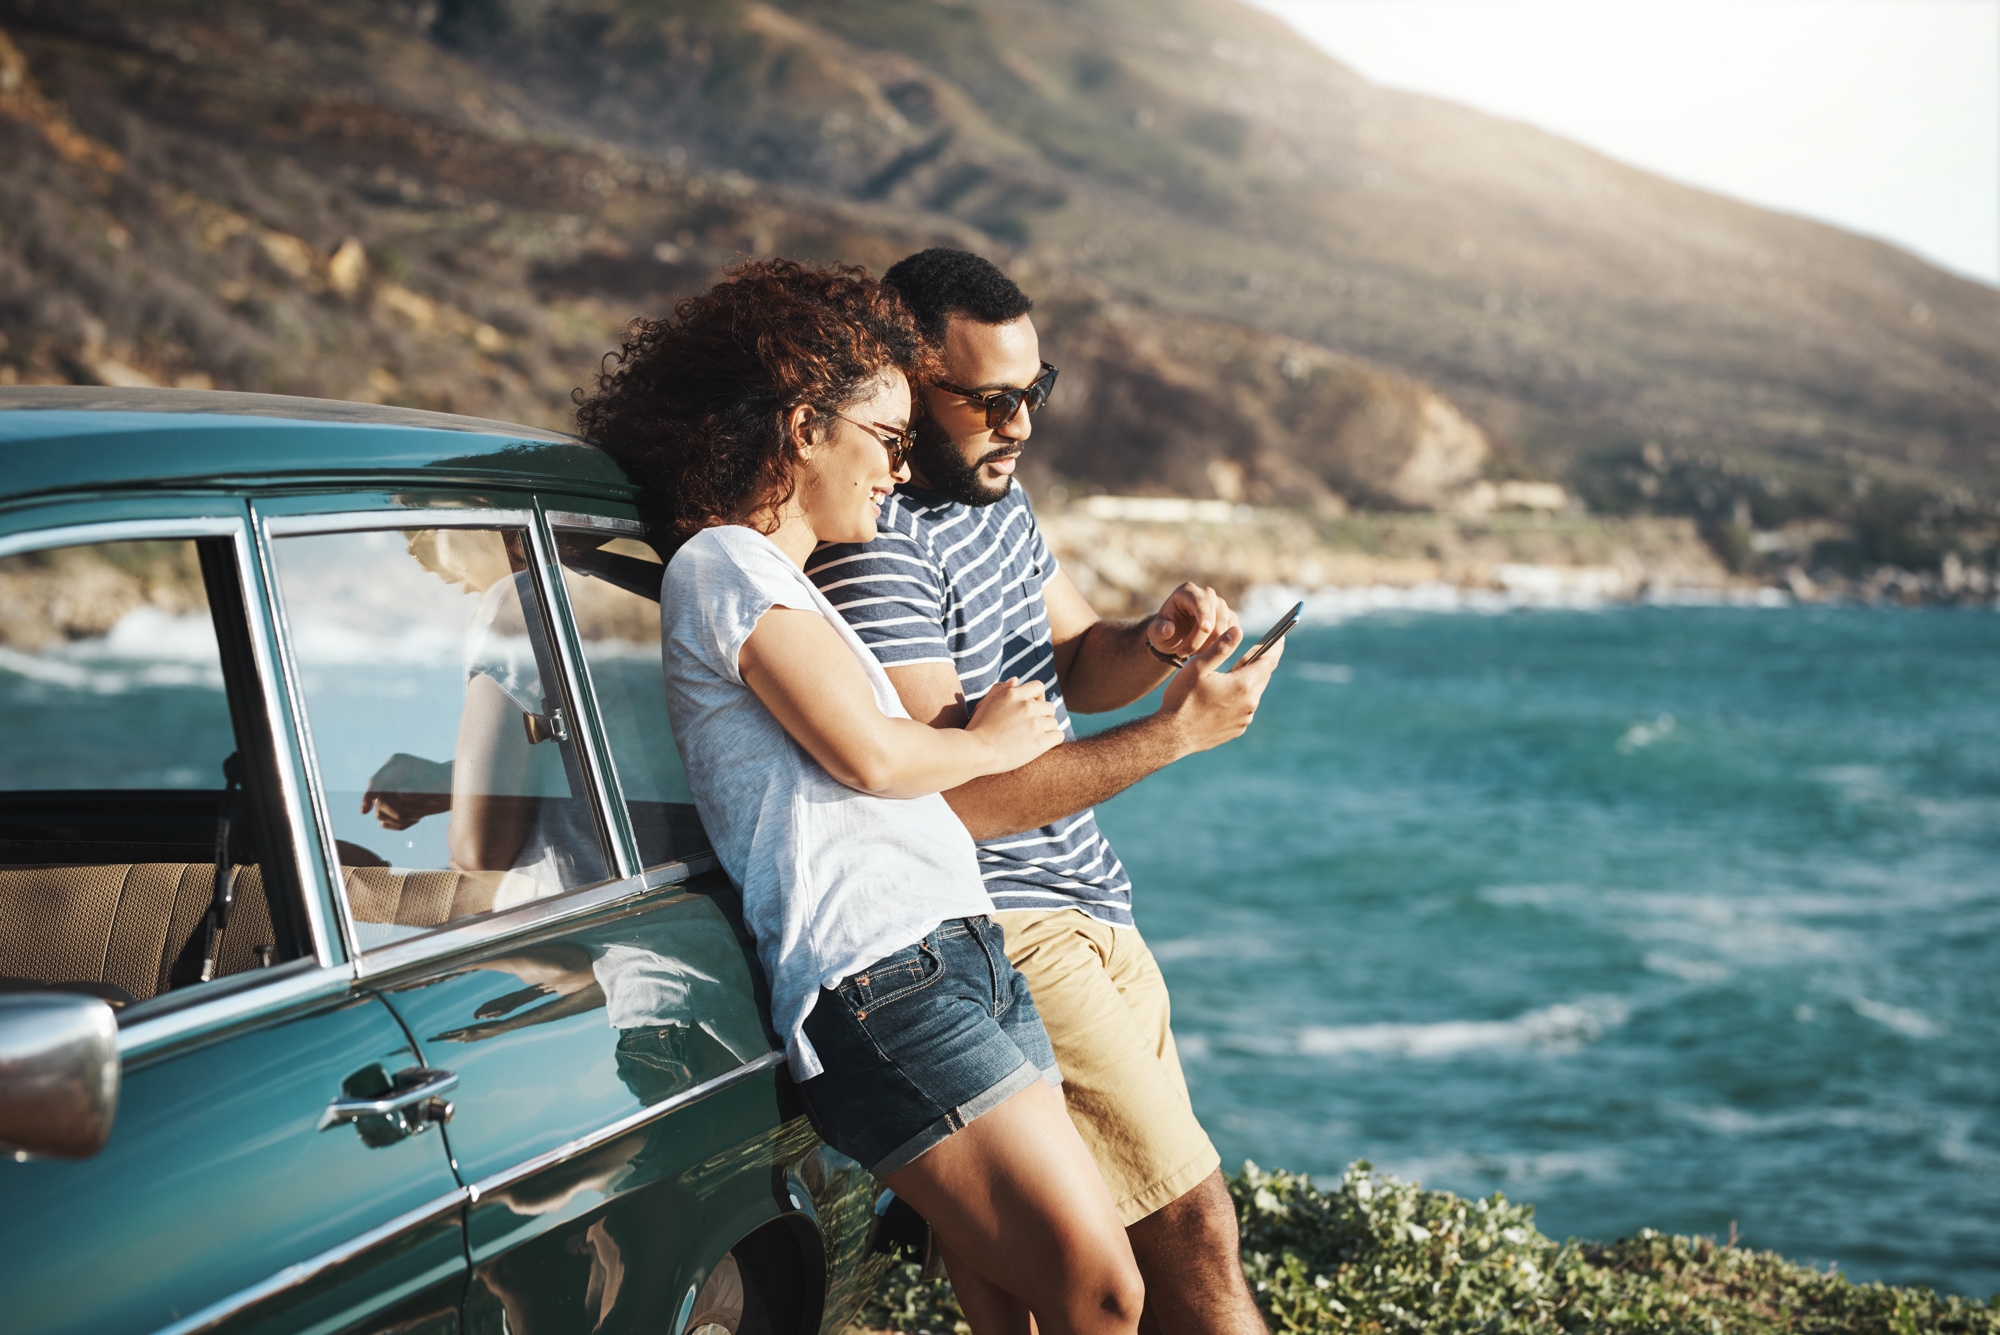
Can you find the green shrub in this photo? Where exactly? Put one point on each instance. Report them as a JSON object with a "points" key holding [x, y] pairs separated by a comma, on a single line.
{"points": [[1378, 1255]]}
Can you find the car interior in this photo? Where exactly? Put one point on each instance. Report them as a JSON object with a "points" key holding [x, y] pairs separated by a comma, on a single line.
{"points": [[133, 852], [133, 864]]}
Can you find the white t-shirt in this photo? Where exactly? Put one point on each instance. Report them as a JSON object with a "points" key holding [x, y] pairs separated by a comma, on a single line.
{"points": [[502, 644], [832, 878]]}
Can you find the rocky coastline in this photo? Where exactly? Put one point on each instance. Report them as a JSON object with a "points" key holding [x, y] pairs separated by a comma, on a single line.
{"points": [[1126, 553]]}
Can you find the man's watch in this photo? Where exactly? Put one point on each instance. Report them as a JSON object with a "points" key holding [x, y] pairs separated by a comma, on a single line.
{"points": [[1173, 660]]}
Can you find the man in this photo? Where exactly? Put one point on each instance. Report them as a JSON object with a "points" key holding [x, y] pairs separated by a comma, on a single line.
{"points": [[958, 592]]}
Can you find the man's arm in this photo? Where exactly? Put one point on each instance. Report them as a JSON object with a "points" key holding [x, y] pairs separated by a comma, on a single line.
{"points": [[1202, 709], [1105, 665]]}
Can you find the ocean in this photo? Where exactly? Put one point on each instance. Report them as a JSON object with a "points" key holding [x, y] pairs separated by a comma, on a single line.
{"points": [[1672, 917]]}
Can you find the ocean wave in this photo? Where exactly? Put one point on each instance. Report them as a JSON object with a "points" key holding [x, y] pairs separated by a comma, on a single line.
{"points": [[1909, 1023], [147, 648], [1955, 1145], [1688, 971], [1645, 734], [1564, 1027], [1723, 1120], [1522, 588], [1210, 947], [322, 643], [1516, 1170]]}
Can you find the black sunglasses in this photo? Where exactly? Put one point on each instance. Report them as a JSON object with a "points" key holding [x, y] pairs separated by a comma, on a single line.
{"points": [[899, 441], [1002, 404]]}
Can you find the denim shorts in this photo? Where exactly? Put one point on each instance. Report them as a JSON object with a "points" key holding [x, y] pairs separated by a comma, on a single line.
{"points": [[920, 1042]]}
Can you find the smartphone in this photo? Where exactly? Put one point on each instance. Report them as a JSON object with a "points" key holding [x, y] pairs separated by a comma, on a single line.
{"points": [[1272, 636]]}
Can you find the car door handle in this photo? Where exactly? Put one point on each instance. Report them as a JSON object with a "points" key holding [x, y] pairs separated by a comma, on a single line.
{"points": [[414, 1103]]}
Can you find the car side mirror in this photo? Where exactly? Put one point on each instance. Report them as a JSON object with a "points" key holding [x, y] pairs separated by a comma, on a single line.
{"points": [[58, 1074]]}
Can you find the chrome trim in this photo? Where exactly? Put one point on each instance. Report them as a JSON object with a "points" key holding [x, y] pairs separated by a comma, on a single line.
{"points": [[560, 619], [493, 1182], [535, 913], [149, 1033], [577, 519], [667, 873], [315, 793], [253, 564], [125, 530], [294, 1275], [363, 521]]}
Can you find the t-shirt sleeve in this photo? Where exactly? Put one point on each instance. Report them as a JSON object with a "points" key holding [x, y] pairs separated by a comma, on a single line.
{"points": [[720, 585], [891, 592], [498, 646], [1038, 551]]}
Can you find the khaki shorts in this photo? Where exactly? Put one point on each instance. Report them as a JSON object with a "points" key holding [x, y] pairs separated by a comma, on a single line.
{"points": [[1104, 1004]]}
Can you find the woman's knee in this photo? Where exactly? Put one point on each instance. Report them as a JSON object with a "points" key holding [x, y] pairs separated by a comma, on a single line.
{"points": [[1110, 1299]]}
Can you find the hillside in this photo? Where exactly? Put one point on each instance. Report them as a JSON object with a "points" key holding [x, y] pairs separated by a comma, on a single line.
{"points": [[1267, 279]]}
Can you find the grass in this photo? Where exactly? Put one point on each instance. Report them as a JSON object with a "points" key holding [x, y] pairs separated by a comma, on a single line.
{"points": [[1378, 1255]]}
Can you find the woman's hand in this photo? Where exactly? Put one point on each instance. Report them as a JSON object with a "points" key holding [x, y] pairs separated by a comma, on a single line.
{"points": [[810, 680], [1017, 722]]}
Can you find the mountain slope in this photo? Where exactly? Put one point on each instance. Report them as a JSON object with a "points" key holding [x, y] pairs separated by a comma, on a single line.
{"points": [[1202, 155], [1199, 199]]}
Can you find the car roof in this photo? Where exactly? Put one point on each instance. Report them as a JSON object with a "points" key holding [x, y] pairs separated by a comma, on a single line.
{"points": [[62, 438]]}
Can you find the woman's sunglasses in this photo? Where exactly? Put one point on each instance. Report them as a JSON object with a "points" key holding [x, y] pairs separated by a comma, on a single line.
{"points": [[1002, 404], [899, 441]]}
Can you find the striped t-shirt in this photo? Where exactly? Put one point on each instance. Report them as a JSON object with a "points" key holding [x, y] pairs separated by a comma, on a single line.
{"points": [[950, 583]]}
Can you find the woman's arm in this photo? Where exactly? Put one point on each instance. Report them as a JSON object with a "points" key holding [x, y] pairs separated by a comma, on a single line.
{"points": [[809, 679], [489, 822]]}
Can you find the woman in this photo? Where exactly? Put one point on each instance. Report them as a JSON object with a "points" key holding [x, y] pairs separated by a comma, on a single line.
{"points": [[765, 417]]}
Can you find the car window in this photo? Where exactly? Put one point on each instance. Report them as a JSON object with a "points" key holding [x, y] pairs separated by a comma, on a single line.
{"points": [[129, 850], [614, 592], [438, 724]]}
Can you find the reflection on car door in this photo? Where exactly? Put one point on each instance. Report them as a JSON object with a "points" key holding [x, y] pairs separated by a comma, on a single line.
{"points": [[450, 754], [227, 1197], [600, 1067]]}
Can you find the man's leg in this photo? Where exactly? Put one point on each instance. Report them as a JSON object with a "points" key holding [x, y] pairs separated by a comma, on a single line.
{"points": [[1105, 1006], [1191, 1259]]}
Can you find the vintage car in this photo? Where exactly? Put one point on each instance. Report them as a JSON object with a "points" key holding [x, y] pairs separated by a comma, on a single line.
{"points": [[362, 963]]}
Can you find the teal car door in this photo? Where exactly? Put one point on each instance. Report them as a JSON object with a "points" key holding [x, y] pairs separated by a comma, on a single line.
{"points": [[621, 1126], [274, 1163]]}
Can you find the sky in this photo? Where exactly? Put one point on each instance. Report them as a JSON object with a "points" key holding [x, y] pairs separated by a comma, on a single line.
{"points": [[1880, 116]]}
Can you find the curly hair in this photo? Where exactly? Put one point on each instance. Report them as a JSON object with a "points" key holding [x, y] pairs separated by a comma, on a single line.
{"points": [[694, 407]]}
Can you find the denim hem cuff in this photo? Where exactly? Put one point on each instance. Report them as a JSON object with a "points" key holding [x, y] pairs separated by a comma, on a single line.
{"points": [[957, 1119]]}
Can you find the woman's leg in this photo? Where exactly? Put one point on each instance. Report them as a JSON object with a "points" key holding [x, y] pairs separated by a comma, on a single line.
{"points": [[1015, 1197], [989, 1309]]}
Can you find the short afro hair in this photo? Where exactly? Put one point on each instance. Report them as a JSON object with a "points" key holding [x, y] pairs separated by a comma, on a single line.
{"points": [[938, 283]]}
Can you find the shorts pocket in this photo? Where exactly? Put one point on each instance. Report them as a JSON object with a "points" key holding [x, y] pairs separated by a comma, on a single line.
{"points": [[892, 978]]}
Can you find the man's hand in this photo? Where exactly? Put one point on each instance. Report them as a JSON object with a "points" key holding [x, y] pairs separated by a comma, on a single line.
{"points": [[1189, 620], [406, 789], [1208, 707]]}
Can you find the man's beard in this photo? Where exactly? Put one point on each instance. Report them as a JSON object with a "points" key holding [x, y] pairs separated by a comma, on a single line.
{"points": [[946, 471]]}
